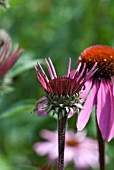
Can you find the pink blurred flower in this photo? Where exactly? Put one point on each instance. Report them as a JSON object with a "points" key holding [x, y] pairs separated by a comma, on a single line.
{"points": [[7, 58], [61, 92], [99, 90], [83, 151]]}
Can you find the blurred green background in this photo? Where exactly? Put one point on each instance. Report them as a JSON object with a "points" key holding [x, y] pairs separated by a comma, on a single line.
{"points": [[59, 29]]}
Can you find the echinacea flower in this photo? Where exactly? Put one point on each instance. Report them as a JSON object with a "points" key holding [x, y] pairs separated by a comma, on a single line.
{"points": [[81, 150], [99, 89], [62, 96], [7, 58], [61, 92]]}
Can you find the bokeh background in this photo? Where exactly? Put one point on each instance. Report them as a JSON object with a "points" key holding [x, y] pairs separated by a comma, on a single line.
{"points": [[46, 28]]}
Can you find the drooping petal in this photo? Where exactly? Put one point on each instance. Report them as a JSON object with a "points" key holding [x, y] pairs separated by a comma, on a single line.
{"points": [[111, 125], [113, 84], [88, 85], [41, 106], [86, 111], [103, 109]]}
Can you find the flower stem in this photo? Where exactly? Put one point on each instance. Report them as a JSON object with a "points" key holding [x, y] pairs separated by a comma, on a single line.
{"points": [[61, 140], [101, 149]]}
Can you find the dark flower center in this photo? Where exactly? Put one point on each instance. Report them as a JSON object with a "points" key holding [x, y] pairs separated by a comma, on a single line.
{"points": [[104, 56], [55, 85], [63, 100], [72, 143]]}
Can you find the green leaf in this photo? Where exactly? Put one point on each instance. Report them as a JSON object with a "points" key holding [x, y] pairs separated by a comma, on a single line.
{"points": [[26, 168], [72, 122], [21, 107], [4, 163]]}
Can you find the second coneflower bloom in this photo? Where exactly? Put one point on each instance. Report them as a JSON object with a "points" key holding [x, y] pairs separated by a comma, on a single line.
{"points": [[61, 97], [7, 57], [99, 89], [62, 93]]}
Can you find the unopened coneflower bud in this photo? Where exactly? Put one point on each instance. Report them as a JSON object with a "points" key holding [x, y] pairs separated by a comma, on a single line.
{"points": [[62, 93]]}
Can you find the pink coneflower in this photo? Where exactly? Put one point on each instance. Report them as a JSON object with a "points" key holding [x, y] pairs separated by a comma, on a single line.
{"points": [[61, 92], [62, 96], [101, 90], [81, 150], [7, 58]]}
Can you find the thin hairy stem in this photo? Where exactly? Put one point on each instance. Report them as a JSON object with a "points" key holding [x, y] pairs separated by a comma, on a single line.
{"points": [[61, 140], [101, 149]]}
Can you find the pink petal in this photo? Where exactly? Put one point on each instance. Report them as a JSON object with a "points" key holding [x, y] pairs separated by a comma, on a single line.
{"points": [[49, 135], [86, 158], [72, 73], [80, 136], [81, 73], [42, 71], [113, 83], [41, 107], [41, 80], [11, 60], [51, 68], [88, 85], [43, 148], [104, 109], [111, 123], [68, 154], [86, 111], [70, 114]]}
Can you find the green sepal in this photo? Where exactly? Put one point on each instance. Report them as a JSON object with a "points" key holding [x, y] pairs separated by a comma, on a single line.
{"points": [[49, 108]]}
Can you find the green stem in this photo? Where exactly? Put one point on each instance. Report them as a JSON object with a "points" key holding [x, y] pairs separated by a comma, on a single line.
{"points": [[101, 149], [61, 140]]}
